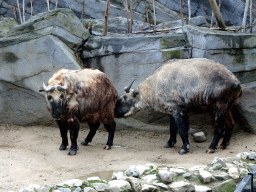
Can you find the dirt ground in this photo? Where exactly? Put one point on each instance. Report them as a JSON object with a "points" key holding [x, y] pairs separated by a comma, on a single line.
{"points": [[30, 155]]}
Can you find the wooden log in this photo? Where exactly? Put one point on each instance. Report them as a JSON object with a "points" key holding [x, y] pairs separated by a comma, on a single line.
{"points": [[217, 14]]}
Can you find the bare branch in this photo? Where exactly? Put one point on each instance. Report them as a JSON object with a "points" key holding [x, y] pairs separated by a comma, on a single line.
{"points": [[18, 5], [31, 4], [189, 11], [154, 9], [217, 14], [250, 16], [56, 5], [23, 11], [181, 12], [245, 14], [48, 5], [14, 12], [149, 25], [105, 29]]}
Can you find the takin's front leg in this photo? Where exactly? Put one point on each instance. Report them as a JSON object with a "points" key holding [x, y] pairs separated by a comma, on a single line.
{"points": [[173, 134], [111, 133], [93, 128], [181, 121], [64, 134], [73, 126]]}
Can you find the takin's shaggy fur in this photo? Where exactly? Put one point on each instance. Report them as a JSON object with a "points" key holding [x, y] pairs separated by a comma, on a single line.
{"points": [[85, 95], [186, 85]]}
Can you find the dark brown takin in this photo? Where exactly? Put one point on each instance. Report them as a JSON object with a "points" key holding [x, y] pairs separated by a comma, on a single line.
{"points": [[180, 86], [75, 96]]}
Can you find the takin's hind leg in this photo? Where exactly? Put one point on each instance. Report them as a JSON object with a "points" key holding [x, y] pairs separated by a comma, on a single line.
{"points": [[173, 134], [229, 126], [181, 121], [218, 122], [111, 133], [93, 129]]}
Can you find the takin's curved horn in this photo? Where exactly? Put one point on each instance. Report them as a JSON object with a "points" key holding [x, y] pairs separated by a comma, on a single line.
{"points": [[127, 88], [48, 89], [63, 88]]}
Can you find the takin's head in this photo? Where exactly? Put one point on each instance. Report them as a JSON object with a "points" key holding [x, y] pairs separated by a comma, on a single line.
{"points": [[126, 105], [54, 97]]}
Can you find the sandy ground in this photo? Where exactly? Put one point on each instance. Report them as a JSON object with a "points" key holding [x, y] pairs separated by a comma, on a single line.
{"points": [[30, 155]]}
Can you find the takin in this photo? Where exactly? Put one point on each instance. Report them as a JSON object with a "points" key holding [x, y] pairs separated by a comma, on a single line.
{"points": [[85, 95], [180, 86]]}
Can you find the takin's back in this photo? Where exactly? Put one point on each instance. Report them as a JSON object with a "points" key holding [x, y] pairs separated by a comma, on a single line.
{"points": [[188, 82]]}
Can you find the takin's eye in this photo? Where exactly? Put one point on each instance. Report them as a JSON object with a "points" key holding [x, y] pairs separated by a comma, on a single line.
{"points": [[49, 97]]}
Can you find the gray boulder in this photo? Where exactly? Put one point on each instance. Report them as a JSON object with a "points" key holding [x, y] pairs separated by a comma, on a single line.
{"points": [[61, 23], [199, 137], [24, 67]]}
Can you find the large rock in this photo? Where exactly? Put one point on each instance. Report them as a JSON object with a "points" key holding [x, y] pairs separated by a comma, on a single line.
{"points": [[125, 58], [61, 23], [235, 50], [24, 67]]}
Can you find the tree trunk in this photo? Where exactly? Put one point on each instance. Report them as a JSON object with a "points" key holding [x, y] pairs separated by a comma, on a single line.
{"points": [[189, 12], [181, 12], [31, 4], [217, 14], [23, 7], [154, 9], [105, 29], [250, 16], [131, 13], [18, 5], [245, 15], [48, 5]]}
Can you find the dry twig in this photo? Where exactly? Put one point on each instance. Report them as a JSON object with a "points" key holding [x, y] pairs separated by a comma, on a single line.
{"points": [[18, 5], [105, 29]]}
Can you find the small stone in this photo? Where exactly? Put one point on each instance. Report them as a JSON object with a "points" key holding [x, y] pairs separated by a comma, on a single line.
{"points": [[199, 137], [89, 189], [93, 179], [178, 171], [78, 189], [120, 184], [181, 186], [149, 178], [135, 183], [219, 161], [71, 183], [100, 186], [200, 188], [117, 175], [252, 156], [161, 186], [234, 173], [252, 166], [187, 175], [220, 175], [136, 171], [205, 176], [64, 189], [197, 168], [228, 185], [147, 188], [166, 176], [243, 155], [216, 166]]}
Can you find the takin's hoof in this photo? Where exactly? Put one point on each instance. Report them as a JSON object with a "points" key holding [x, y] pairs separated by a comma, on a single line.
{"points": [[183, 151], [223, 146], [107, 147], [62, 147], [84, 143], [72, 152], [168, 145], [209, 151]]}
